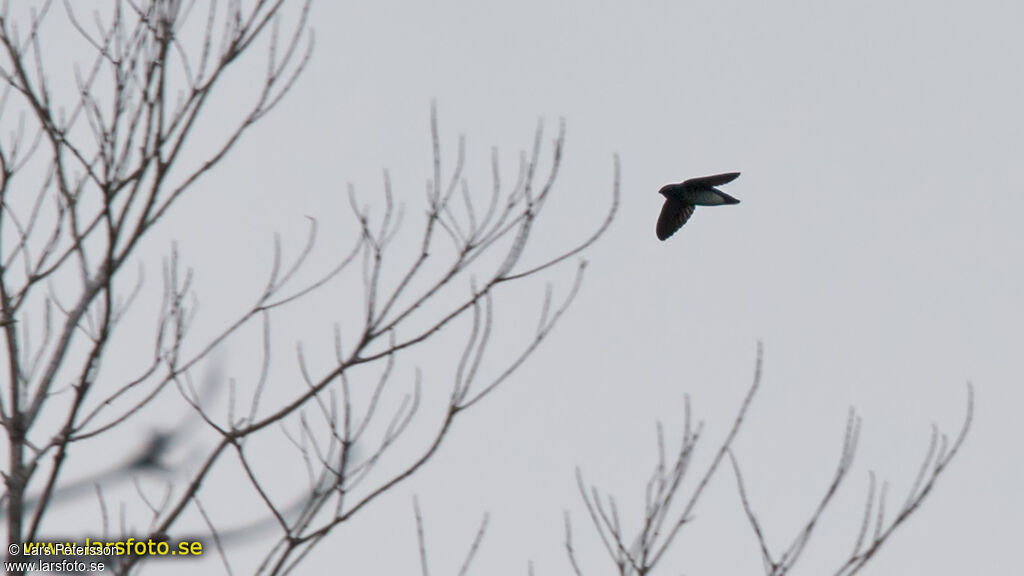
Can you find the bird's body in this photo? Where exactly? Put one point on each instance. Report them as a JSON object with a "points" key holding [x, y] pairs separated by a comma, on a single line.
{"points": [[683, 198]]}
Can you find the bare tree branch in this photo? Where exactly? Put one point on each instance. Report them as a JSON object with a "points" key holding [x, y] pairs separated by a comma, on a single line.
{"points": [[112, 161], [640, 552], [936, 459]]}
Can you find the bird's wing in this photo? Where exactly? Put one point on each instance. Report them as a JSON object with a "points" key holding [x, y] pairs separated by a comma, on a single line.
{"points": [[674, 214], [726, 199], [716, 180]]}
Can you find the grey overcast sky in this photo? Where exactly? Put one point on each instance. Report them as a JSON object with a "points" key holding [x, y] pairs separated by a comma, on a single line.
{"points": [[876, 253]]}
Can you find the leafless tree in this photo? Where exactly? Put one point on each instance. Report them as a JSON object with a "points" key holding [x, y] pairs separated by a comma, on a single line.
{"points": [[667, 508], [88, 171]]}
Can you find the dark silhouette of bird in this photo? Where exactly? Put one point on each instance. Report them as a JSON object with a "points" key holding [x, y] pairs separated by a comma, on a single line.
{"points": [[683, 198], [154, 452]]}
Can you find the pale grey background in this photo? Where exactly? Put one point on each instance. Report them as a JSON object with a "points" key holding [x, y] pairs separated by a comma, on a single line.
{"points": [[876, 252]]}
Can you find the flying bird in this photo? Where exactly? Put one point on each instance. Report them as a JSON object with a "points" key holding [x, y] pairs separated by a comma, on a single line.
{"points": [[683, 198]]}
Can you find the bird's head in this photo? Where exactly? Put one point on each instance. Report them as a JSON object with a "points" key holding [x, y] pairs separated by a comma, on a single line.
{"points": [[666, 189]]}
